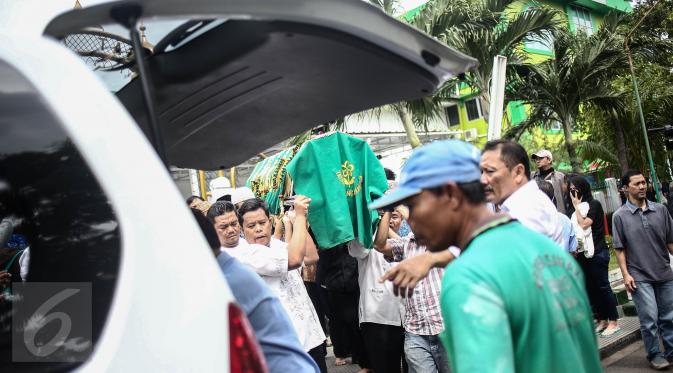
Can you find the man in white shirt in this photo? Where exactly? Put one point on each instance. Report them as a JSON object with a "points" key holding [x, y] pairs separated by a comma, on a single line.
{"points": [[223, 216], [505, 173], [279, 263], [380, 312]]}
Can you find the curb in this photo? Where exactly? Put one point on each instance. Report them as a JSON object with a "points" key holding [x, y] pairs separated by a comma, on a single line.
{"points": [[620, 343]]}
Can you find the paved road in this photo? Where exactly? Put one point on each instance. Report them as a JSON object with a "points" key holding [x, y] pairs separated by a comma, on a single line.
{"points": [[630, 359]]}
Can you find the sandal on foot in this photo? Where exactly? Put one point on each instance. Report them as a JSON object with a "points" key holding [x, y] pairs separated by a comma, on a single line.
{"points": [[607, 333], [341, 362]]}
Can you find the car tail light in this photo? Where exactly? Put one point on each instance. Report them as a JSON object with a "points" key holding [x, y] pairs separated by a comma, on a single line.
{"points": [[244, 352]]}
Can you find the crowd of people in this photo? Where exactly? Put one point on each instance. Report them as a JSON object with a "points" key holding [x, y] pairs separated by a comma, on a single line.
{"points": [[478, 265]]}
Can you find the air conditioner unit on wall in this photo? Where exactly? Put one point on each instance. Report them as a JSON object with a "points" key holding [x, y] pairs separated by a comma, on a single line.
{"points": [[470, 135]]}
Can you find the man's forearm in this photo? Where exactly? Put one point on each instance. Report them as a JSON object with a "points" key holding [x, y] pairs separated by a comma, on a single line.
{"points": [[392, 234], [287, 231], [296, 249], [279, 230], [441, 259], [382, 232], [311, 251], [621, 259], [670, 248]]}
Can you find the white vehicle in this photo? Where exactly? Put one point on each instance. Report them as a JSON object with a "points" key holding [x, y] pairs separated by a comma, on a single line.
{"points": [[227, 80]]}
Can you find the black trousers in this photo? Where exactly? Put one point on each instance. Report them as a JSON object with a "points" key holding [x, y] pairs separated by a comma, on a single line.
{"points": [[601, 297], [384, 345], [344, 329], [318, 355], [318, 298]]}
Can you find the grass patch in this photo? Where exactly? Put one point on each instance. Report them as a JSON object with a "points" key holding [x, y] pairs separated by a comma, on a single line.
{"points": [[613, 260], [613, 257]]}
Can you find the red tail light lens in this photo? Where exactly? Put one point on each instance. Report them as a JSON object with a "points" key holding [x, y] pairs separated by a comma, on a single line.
{"points": [[244, 352]]}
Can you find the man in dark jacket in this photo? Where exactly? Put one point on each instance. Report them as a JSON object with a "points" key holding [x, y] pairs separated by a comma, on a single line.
{"points": [[545, 171]]}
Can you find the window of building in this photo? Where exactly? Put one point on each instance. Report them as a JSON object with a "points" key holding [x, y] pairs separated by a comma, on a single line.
{"points": [[582, 20], [555, 126], [544, 42], [60, 215], [452, 115], [473, 108]]}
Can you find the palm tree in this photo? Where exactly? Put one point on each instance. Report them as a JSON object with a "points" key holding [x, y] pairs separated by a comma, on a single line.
{"points": [[480, 28], [486, 29], [589, 71], [609, 131], [579, 76]]}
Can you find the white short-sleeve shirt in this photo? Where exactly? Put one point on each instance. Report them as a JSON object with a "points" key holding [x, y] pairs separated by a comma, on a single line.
{"points": [[271, 264], [535, 211], [377, 302], [264, 260]]}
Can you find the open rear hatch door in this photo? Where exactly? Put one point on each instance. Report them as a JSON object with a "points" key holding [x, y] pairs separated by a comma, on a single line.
{"points": [[237, 77]]}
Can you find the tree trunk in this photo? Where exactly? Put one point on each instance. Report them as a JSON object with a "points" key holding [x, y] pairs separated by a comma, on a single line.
{"points": [[485, 102], [570, 144], [622, 150], [408, 124]]}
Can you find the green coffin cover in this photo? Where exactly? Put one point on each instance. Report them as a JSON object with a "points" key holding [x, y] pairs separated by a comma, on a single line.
{"points": [[341, 175], [267, 180]]}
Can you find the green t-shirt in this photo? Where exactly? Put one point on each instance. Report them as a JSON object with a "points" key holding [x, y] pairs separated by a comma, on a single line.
{"points": [[514, 301]]}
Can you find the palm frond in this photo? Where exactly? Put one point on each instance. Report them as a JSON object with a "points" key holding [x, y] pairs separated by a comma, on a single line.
{"points": [[481, 29], [374, 113], [425, 110], [534, 22], [492, 6], [301, 138], [335, 125], [388, 6], [593, 150]]}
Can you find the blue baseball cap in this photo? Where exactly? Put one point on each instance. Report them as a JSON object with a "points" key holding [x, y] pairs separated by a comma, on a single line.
{"points": [[434, 165]]}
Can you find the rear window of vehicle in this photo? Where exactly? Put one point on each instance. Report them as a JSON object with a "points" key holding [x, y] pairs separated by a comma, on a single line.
{"points": [[108, 51], [63, 229]]}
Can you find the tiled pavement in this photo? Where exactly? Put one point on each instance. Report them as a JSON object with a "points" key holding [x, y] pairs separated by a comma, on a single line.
{"points": [[630, 333], [629, 324], [351, 368]]}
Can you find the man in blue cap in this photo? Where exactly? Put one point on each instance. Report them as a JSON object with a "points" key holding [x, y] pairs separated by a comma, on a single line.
{"points": [[513, 301]]}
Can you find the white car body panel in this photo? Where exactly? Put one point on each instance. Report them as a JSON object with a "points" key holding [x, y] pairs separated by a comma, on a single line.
{"points": [[169, 311], [170, 307]]}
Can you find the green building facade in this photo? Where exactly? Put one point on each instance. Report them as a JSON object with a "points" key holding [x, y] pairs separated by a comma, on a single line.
{"points": [[466, 114]]}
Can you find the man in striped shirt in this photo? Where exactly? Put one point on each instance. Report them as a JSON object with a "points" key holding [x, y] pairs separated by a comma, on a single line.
{"points": [[423, 322]]}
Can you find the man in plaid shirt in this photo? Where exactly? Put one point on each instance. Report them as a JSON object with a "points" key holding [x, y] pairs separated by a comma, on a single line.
{"points": [[423, 319]]}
